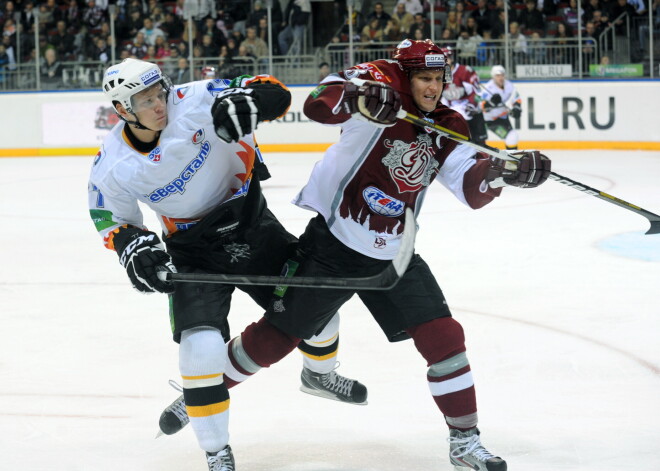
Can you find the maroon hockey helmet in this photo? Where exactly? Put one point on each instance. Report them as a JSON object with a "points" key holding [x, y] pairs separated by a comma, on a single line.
{"points": [[421, 55]]}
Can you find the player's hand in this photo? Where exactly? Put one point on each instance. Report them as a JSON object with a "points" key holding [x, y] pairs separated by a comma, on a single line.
{"points": [[530, 171], [516, 111], [141, 253], [472, 110], [235, 114], [375, 102]]}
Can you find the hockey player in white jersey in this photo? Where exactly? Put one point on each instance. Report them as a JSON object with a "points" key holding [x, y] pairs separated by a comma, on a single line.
{"points": [[188, 152], [499, 100]]}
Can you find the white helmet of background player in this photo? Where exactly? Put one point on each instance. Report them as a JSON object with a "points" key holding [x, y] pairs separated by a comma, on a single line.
{"points": [[128, 78], [497, 70], [208, 73]]}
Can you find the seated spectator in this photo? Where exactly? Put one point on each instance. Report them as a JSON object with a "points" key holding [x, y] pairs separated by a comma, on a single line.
{"points": [[101, 51], [461, 13], [571, 16], [324, 70], [452, 24], [588, 46], [170, 63], [244, 61], [150, 31], [209, 28], [531, 19], [379, 14], [497, 29], [486, 52], [182, 72], [550, 7], [372, 33], [483, 16], [5, 64], [392, 32], [51, 70], [562, 47], [62, 41], [172, 26], [412, 6], [518, 44], [162, 47], [258, 12], [467, 47], [537, 50], [447, 36], [150, 56], [208, 49], [471, 26], [93, 15], [405, 19], [232, 47], [421, 23], [138, 47], [254, 45]]}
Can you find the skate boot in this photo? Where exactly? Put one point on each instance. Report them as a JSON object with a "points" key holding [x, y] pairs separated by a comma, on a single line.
{"points": [[333, 386], [466, 451], [175, 416], [223, 460]]}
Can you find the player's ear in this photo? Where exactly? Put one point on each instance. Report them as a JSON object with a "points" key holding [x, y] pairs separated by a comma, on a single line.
{"points": [[121, 110]]}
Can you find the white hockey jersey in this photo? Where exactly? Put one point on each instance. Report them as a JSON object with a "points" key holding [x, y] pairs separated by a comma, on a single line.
{"points": [[190, 172], [509, 96]]}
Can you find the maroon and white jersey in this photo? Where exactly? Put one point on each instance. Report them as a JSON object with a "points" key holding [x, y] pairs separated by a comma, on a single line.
{"points": [[463, 90], [367, 179]]}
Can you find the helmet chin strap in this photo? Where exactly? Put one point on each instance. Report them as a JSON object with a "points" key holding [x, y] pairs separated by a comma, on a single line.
{"points": [[136, 123]]}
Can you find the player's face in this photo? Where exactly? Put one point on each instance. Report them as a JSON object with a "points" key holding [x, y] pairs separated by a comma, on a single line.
{"points": [[426, 88], [150, 106], [499, 80]]}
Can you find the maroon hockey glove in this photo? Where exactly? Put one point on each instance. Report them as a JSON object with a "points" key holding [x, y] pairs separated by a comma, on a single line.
{"points": [[530, 171], [374, 102], [141, 254]]}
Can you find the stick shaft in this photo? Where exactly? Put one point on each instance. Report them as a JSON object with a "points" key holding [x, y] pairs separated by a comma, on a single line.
{"points": [[654, 219]]}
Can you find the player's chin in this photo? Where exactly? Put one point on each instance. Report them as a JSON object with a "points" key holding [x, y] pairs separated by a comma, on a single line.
{"points": [[160, 123]]}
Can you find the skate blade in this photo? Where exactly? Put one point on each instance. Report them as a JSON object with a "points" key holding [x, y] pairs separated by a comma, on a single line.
{"points": [[325, 395]]}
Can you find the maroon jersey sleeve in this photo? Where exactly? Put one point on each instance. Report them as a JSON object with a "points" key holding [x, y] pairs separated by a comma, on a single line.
{"points": [[323, 104]]}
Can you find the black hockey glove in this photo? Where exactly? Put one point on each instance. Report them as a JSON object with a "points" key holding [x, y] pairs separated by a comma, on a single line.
{"points": [[472, 110], [530, 171], [235, 113], [371, 101], [141, 253], [516, 111], [493, 102]]}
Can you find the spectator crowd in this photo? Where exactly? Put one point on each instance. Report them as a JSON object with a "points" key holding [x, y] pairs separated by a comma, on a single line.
{"points": [[235, 33]]}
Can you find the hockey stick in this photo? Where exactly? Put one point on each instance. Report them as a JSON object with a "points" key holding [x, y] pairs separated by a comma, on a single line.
{"points": [[381, 281], [654, 219]]}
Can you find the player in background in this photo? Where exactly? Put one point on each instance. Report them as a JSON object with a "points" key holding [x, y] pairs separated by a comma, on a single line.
{"points": [[189, 154], [360, 191], [208, 73], [499, 100], [462, 95]]}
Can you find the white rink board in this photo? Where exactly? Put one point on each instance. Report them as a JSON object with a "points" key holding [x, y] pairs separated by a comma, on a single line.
{"points": [[552, 111], [562, 337]]}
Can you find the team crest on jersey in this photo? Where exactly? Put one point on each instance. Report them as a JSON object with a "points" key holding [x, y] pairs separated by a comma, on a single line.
{"points": [[216, 86], [181, 93], [198, 137], [412, 164], [155, 155], [380, 243], [381, 203]]}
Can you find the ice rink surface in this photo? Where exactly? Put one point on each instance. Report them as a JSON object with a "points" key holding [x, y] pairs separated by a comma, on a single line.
{"points": [[558, 293]]}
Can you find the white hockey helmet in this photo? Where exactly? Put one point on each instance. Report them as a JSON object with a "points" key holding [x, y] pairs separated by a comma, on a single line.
{"points": [[497, 70], [122, 81]]}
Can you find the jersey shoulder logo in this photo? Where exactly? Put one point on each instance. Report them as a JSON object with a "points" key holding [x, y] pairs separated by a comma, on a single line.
{"points": [[198, 137], [181, 93], [155, 154]]}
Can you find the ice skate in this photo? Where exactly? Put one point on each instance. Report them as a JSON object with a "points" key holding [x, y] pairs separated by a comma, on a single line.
{"points": [[175, 416], [223, 460], [467, 452], [333, 386]]}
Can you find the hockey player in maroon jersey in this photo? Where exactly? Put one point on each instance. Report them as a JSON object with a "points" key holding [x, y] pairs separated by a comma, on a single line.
{"points": [[462, 95], [360, 190]]}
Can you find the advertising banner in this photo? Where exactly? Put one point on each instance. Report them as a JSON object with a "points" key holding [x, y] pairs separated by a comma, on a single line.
{"points": [[616, 70], [547, 71]]}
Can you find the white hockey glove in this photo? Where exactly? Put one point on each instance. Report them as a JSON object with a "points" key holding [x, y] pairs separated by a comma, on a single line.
{"points": [[235, 114], [142, 254], [530, 171], [374, 102]]}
